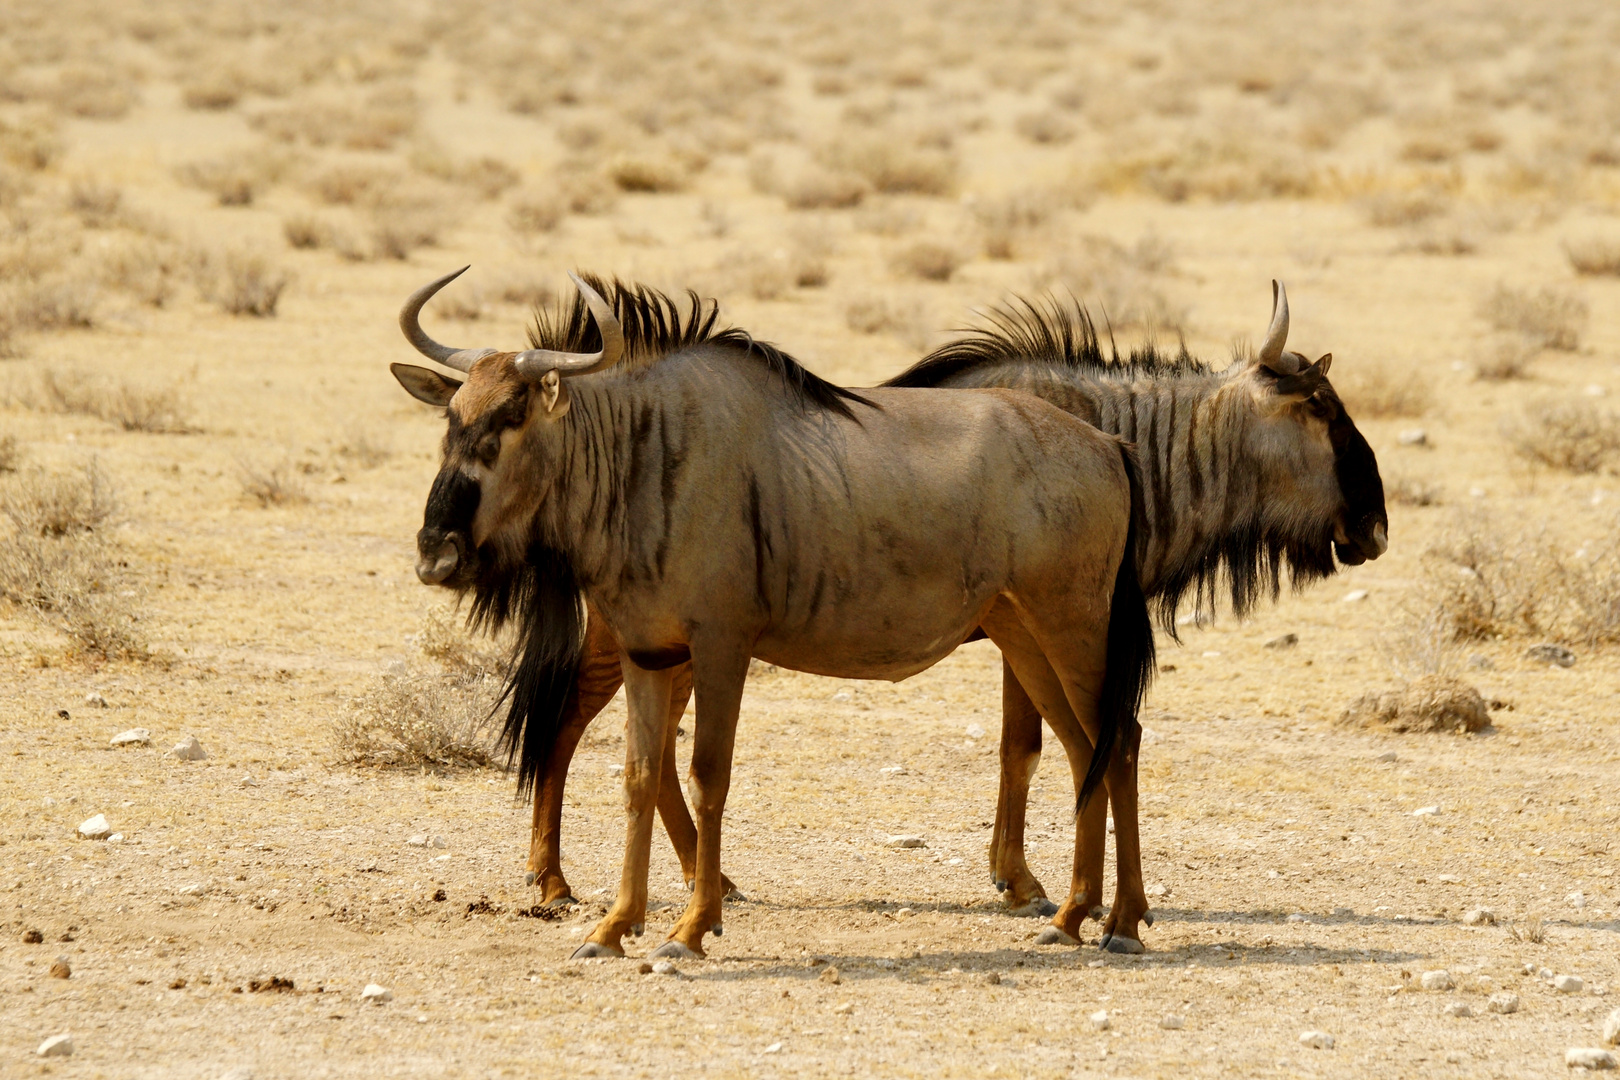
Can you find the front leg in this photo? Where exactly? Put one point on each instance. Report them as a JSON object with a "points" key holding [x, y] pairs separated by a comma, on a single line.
{"points": [[1120, 930], [719, 669], [1020, 756], [647, 694]]}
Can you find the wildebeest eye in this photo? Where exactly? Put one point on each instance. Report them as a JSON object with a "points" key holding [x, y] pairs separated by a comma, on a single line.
{"points": [[489, 448]]}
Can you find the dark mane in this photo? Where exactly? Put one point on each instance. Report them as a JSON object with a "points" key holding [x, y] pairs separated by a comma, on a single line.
{"points": [[654, 326], [1045, 331]]}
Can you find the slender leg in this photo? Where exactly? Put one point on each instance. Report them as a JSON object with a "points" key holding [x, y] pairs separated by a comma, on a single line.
{"points": [[648, 697], [598, 680], [671, 802], [1020, 755], [1120, 930], [719, 670]]}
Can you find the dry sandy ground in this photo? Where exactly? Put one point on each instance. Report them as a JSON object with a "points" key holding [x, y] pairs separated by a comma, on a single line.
{"points": [[1300, 890]]}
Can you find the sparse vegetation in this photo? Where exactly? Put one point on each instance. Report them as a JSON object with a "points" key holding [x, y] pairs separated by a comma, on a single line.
{"points": [[133, 407], [1413, 491], [929, 260], [1594, 255], [241, 282], [271, 484], [1429, 703], [1374, 388], [1510, 358], [1549, 316], [1576, 436]]}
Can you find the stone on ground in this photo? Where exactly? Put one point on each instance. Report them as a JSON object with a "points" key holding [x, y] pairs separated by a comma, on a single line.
{"points": [[1284, 641], [56, 1046], [1589, 1057], [376, 994], [1550, 653], [1427, 703], [829, 976], [1316, 1040], [905, 840], [1569, 984], [1173, 1022], [1503, 1002], [1459, 1008], [135, 736], [189, 749], [95, 828], [1611, 1029], [1437, 980], [1100, 1021], [665, 967], [1480, 917], [95, 700], [61, 969]]}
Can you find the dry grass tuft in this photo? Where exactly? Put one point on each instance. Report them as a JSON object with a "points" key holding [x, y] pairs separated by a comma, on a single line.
{"points": [[365, 449], [1391, 208], [241, 282], [237, 178], [57, 562], [1491, 577], [536, 212], [1383, 388], [1575, 436], [1594, 255], [1510, 358], [275, 484], [156, 410], [31, 143], [1429, 703], [929, 260], [95, 92], [1010, 221], [871, 313], [1413, 491], [384, 117], [95, 204], [11, 453], [650, 175], [419, 718], [1045, 128], [1549, 316], [893, 167]]}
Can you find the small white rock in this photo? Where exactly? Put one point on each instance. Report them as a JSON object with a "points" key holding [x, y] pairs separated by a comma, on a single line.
{"points": [[1449, 879], [1576, 899], [419, 840], [1297, 917], [975, 731], [665, 967], [189, 749], [95, 828], [196, 888], [904, 840], [1426, 811], [1100, 1021], [1388, 756], [1503, 1002], [1413, 437], [376, 994], [135, 736], [1569, 984], [1437, 980], [95, 700], [1158, 890], [893, 770], [904, 913], [1316, 1040], [440, 842], [774, 1048], [1589, 1057], [56, 1046], [615, 769], [1458, 1008], [1611, 1029], [1355, 596], [1480, 917], [1173, 1022]]}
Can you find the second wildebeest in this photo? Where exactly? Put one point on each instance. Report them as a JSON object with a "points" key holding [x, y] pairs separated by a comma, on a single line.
{"points": [[715, 502], [1252, 469]]}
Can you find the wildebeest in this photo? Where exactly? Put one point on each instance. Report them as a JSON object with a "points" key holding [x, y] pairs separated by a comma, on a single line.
{"points": [[1250, 469], [713, 501]]}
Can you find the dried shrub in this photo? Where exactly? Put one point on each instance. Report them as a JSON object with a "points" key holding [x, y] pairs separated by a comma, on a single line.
{"points": [[95, 204], [387, 115], [1388, 209], [241, 282], [32, 143], [1008, 221], [156, 410], [351, 184], [1413, 491], [144, 268], [1550, 316], [908, 320], [1492, 576], [1430, 703], [307, 232], [365, 449], [1575, 436], [1594, 255], [94, 92], [59, 301], [418, 718], [57, 562], [212, 91], [929, 260], [446, 640], [893, 167], [273, 484], [647, 174], [236, 178], [1510, 358], [1045, 128], [1118, 283], [534, 212], [11, 453], [815, 188], [1383, 388], [489, 177], [1225, 167]]}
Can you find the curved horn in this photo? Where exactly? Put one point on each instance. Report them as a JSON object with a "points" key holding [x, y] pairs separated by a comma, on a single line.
{"points": [[1277, 335], [460, 359], [533, 363]]}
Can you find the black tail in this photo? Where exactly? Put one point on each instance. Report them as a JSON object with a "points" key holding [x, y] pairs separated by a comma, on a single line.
{"points": [[1130, 645], [543, 599]]}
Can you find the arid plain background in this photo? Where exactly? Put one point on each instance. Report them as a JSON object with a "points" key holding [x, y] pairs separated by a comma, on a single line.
{"points": [[209, 214]]}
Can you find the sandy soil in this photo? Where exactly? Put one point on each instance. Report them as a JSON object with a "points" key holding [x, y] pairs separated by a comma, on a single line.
{"points": [[1300, 891]]}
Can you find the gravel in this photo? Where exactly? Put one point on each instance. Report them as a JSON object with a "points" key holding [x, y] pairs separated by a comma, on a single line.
{"points": [[61, 969], [1173, 1022], [1100, 1020], [1316, 1040], [56, 1046], [904, 840]]}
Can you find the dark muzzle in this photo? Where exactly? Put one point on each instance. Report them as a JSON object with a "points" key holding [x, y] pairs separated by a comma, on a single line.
{"points": [[442, 547], [439, 556]]}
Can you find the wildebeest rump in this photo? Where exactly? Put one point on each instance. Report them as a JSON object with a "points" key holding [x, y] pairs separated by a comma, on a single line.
{"points": [[1249, 469], [713, 501]]}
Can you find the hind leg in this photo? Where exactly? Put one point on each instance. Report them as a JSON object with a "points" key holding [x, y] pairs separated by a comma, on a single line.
{"points": [[671, 802], [598, 680], [1121, 932], [1020, 755]]}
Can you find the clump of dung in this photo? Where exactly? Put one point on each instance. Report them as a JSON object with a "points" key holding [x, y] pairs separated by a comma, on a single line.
{"points": [[1427, 703]]}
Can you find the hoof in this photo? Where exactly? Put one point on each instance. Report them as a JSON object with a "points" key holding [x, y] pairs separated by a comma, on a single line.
{"points": [[1054, 936], [560, 902], [717, 930], [1038, 908], [1129, 946], [1098, 912], [636, 929], [691, 884], [1147, 917], [1045, 907], [1001, 884], [673, 950], [591, 950], [735, 896], [528, 879]]}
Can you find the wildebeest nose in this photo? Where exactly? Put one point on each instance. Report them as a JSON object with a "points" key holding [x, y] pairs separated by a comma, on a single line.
{"points": [[1380, 539], [434, 571]]}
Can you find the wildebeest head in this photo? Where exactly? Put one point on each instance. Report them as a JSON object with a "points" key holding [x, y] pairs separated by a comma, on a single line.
{"points": [[476, 520], [1316, 453]]}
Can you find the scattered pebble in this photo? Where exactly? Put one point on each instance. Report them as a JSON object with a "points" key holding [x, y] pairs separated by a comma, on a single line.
{"points": [[1590, 1057], [196, 888], [424, 840], [1448, 879], [1158, 890], [376, 994], [1344, 911], [1459, 1009], [1298, 917], [95, 828], [975, 731], [1611, 1029], [904, 913], [1576, 899], [1480, 662], [56, 1046], [135, 736], [1480, 917], [773, 1048], [1426, 811], [1503, 1002], [1100, 1021], [1284, 641], [96, 701], [843, 1008], [1413, 437], [906, 841], [665, 967], [1550, 653], [893, 770], [1173, 1022], [1355, 596], [32, 937], [189, 749], [1316, 1040], [830, 976], [643, 968], [1437, 980], [1544, 973], [1569, 984], [1388, 755], [61, 969]]}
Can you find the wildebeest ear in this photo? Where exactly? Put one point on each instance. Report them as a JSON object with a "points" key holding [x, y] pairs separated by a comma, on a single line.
{"points": [[1307, 382], [552, 394], [425, 384]]}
